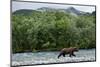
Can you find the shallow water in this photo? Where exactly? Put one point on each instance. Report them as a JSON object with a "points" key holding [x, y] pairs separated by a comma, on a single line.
{"points": [[51, 57]]}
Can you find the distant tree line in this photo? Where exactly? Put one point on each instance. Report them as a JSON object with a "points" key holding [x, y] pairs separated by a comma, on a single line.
{"points": [[52, 30]]}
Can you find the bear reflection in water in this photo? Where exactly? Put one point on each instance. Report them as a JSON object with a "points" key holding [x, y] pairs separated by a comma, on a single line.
{"points": [[69, 51]]}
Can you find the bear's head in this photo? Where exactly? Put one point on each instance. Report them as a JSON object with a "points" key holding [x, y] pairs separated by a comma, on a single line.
{"points": [[76, 49]]}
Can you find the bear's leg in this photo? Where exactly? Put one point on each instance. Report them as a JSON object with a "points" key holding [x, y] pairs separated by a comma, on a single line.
{"points": [[70, 54], [63, 54], [59, 55], [73, 54]]}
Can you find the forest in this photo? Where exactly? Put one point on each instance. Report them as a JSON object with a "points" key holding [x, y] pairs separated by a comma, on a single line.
{"points": [[47, 30]]}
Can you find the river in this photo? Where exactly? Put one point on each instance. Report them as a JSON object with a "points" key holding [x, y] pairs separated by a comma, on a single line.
{"points": [[51, 57]]}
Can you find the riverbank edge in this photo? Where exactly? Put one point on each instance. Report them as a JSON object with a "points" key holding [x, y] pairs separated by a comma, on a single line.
{"points": [[45, 51]]}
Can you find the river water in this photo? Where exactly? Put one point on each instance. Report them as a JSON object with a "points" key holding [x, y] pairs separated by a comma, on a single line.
{"points": [[51, 57]]}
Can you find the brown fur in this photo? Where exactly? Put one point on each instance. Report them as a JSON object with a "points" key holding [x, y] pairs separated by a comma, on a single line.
{"points": [[69, 51]]}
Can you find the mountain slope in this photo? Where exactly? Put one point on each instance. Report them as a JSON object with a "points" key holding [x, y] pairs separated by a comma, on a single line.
{"points": [[70, 10]]}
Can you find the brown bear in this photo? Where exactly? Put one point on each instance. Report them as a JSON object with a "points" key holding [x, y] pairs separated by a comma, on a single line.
{"points": [[69, 51]]}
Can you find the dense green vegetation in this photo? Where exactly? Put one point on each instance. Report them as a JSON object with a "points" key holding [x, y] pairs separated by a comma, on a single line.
{"points": [[52, 30]]}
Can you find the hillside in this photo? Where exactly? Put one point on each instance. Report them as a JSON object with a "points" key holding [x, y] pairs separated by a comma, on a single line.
{"points": [[52, 29], [70, 10]]}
